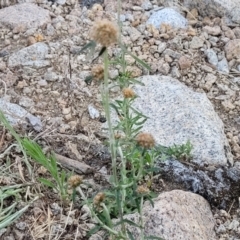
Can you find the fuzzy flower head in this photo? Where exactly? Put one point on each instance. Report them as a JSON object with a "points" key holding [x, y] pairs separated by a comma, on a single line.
{"points": [[128, 93], [104, 32], [74, 181], [142, 190], [145, 140], [99, 198], [98, 72]]}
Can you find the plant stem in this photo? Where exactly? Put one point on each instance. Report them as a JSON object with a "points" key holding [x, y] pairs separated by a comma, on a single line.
{"points": [[113, 148], [141, 218]]}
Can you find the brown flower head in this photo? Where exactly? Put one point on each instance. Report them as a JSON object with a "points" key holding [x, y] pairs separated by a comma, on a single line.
{"points": [[104, 32], [145, 140], [142, 190], [128, 93], [74, 181], [98, 72], [99, 198]]}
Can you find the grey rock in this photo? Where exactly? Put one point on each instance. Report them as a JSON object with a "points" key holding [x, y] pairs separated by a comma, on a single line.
{"points": [[172, 53], [60, 2], [93, 112], [21, 225], [2, 231], [161, 47], [221, 229], [212, 57], [133, 33], [147, 5], [90, 3], [27, 15], [176, 215], [233, 225], [221, 8], [50, 76], [32, 56], [56, 209], [26, 102], [167, 16], [223, 66], [16, 114], [178, 114], [196, 42]]}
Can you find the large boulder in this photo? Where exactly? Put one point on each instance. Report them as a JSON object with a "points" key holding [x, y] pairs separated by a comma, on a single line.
{"points": [[26, 15], [176, 215], [230, 8], [167, 16], [178, 114], [32, 56]]}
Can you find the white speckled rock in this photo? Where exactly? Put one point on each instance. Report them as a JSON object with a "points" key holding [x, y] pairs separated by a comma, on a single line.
{"points": [[178, 114], [212, 57], [16, 114], [230, 8], [26, 15], [168, 16], [32, 56], [223, 66], [176, 215]]}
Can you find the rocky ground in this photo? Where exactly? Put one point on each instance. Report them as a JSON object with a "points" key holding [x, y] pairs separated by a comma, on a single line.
{"points": [[39, 73]]}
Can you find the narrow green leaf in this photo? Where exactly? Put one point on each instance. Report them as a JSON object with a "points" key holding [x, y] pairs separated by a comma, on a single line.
{"points": [[91, 44], [130, 235], [93, 230], [47, 183]]}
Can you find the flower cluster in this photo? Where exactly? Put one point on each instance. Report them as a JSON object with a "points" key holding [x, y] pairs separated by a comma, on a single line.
{"points": [[105, 33], [128, 93], [142, 190], [75, 181], [99, 198], [98, 72], [145, 140]]}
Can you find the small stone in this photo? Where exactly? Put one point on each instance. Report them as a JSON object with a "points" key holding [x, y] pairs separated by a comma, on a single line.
{"points": [[93, 112], [232, 49], [215, 31], [230, 34], [161, 47], [223, 66], [227, 104], [184, 62], [147, 5], [60, 2], [21, 225], [210, 79], [196, 42], [31, 40], [163, 67], [172, 53], [50, 76], [56, 209], [206, 68], [26, 102], [42, 83], [221, 229], [2, 66], [193, 14], [212, 57]]}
